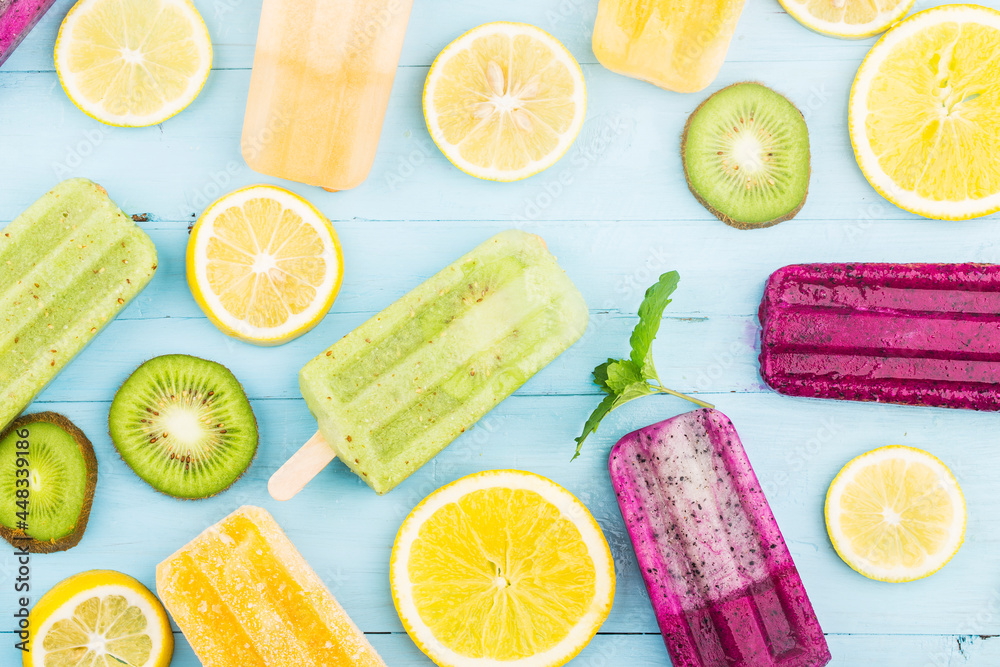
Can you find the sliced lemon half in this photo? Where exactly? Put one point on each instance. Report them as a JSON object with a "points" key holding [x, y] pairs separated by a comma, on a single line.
{"points": [[99, 618], [924, 113], [848, 19], [133, 63], [501, 567], [896, 514], [264, 264], [504, 101]]}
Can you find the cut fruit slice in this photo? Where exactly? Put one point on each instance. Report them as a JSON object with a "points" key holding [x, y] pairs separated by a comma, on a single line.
{"points": [[184, 425], [501, 567], [896, 514], [133, 63], [99, 618], [924, 113], [264, 264], [746, 156], [849, 19], [504, 101], [45, 505]]}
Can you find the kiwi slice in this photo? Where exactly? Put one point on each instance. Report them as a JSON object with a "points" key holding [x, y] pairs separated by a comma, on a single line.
{"points": [[746, 156], [48, 473], [184, 425]]}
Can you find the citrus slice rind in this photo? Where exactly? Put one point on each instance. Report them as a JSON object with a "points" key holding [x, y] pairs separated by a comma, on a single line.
{"points": [[848, 19], [133, 63], [934, 113], [264, 290], [425, 596], [896, 514], [504, 101], [105, 613]]}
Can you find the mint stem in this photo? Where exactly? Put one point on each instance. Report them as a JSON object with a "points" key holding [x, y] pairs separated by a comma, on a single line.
{"points": [[678, 394]]}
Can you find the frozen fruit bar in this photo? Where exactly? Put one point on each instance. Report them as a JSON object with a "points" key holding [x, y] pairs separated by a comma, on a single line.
{"points": [[398, 389], [919, 334], [244, 597], [675, 44], [723, 585], [319, 90], [68, 265], [17, 18]]}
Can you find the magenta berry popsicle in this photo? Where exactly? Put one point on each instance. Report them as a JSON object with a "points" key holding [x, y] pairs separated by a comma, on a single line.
{"points": [[17, 18], [723, 585], [919, 334]]}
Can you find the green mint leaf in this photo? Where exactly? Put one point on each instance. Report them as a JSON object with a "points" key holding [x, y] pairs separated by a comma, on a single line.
{"points": [[601, 375], [594, 421], [610, 402], [650, 314], [621, 375], [626, 379]]}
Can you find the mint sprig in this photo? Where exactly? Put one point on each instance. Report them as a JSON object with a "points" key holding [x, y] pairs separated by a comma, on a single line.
{"points": [[625, 379]]}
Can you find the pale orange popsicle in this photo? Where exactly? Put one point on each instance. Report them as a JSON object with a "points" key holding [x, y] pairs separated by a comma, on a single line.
{"points": [[322, 73], [675, 44], [244, 597]]}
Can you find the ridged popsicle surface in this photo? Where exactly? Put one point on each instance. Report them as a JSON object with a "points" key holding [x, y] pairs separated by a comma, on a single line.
{"points": [[918, 334], [244, 597], [722, 583], [398, 389], [68, 265]]}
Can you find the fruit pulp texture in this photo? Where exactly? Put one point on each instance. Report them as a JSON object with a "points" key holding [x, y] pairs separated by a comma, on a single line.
{"points": [[675, 44], [17, 18], [322, 74], [918, 334], [68, 265], [244, 597], [721, 580], [398, 389]]}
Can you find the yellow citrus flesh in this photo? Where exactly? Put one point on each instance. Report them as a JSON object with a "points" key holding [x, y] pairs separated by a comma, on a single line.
{"points": [[896, 514], [501, 566], [925, 113], [133, 62], [504, 101], [99, 618], [264, 264], [850, 19]]}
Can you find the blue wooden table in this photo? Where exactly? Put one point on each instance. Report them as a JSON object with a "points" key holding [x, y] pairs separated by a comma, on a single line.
{"points": [[617, 213]]}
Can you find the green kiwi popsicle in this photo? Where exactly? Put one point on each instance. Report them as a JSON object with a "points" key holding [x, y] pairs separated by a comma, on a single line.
{"points": [[398, 389], [68, 265]]}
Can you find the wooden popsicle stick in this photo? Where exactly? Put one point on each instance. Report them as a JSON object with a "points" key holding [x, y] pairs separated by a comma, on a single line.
{"points": [[305, 464]]}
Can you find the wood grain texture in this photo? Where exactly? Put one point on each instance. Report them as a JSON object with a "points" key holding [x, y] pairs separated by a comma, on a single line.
{"points": [[616, 212]]}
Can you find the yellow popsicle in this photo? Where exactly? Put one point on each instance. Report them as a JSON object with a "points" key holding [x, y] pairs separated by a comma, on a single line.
{"points": [[322, 74], [675, 44], [244, 597]]}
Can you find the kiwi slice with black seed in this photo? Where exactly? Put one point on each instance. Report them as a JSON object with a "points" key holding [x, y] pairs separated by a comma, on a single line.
{"points": [[184, 425], [48, 473], [746, 156]]}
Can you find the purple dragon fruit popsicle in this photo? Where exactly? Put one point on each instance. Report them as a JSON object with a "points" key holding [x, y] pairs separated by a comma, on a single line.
{"points": [[919, 334], [723, 585], [17, 18]]}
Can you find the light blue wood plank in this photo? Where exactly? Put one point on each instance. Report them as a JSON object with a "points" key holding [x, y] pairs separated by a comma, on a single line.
{"points": [[616, 212]]}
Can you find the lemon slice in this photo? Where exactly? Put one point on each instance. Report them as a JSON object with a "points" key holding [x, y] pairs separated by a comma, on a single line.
{"points": [[849, 19], [895, 514], [925, 113], [99, 618], [504, 101], [264, 264], [133, 63], [501, 567]]}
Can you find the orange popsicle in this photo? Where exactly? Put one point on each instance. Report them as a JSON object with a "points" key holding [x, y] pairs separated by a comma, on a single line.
{"points": [[320, 85], [244, 597]]}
